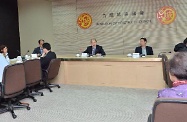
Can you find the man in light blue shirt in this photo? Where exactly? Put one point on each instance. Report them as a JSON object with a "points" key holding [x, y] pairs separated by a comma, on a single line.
{"points": [[144, 52], [3, 64], [39, 50]]}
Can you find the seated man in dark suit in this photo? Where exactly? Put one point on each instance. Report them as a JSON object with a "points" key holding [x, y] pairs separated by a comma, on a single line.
{"points": [[47, 56], [94, 49], [143, 49], [39, 50]]}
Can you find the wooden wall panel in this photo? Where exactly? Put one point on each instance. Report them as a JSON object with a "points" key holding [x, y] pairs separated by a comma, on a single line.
{"points": [[119, 38]]}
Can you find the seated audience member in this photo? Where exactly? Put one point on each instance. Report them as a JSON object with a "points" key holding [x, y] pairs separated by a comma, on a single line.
{"points": [[94, 49], [47, 56], [178, 75], [39, 50], [4, 52], [181, 46], [143, 49], [3, 64]]}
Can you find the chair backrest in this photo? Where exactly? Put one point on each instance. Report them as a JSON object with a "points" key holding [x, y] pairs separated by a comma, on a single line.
{"points": [[164, 59], [166, 70], [53, 68], [169, 110], [33, 72], [13, 82]]}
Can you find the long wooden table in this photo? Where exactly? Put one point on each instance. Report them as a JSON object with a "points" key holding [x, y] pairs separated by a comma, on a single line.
{"points": [[112, 70]]}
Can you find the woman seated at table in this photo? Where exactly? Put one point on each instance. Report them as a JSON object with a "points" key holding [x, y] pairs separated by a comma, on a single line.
{"points": [[3, 64], [4, 52], [178, 75]]}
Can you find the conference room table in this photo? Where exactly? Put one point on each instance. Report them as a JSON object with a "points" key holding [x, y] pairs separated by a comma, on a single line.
{"points": [[112, 70]]}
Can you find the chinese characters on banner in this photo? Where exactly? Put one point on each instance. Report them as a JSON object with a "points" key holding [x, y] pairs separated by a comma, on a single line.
{"points": [[124, 14]]}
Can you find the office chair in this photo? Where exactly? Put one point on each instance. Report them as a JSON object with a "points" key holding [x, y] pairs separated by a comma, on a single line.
{"points": [[166, 70], [51, 73], [13, 85], [33, 77], [169, 110]]}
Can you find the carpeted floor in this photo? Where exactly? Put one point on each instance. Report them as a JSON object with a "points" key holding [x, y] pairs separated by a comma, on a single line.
{"points": [[73, 103]]}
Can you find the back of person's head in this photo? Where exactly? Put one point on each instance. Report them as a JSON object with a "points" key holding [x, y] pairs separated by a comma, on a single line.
{"points": [[180, 47], [178, 65], [46, 46], [2, 47], [145, 40], [185, 41]]}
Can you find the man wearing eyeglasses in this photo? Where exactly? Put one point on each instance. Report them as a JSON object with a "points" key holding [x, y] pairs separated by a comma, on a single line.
{"points": [[94, 49]]}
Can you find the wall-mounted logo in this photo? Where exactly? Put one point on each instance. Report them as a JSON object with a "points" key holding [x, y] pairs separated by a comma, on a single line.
{"points": [[166, 15], [84, 20]]}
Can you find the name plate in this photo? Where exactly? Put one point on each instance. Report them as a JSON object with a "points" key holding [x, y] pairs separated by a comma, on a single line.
{"points": [[135, 55], [84, 55]]}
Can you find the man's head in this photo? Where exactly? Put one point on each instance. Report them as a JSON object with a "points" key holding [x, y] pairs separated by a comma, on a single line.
{"points": [[93, 42], [178, 66], [143, 42], [46, 47], [40, 42]]}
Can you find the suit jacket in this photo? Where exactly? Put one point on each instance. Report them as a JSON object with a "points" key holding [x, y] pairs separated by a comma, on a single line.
{"points": [[99, 49], [37, 51], [149, 50], [46, 60]]}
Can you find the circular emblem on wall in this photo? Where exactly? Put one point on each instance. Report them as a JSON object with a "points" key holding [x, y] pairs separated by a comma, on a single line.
{"points": [[84, 21], [166, 15]]}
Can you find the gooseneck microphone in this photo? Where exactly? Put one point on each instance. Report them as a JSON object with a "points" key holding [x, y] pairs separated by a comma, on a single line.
{"points": [[160, 54], [18, 52], [26, 52]]}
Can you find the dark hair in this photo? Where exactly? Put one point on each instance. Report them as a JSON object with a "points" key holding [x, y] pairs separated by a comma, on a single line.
{"points": [[178, 65], [40, 41], [180, 47], [185, 41], [145, 40], [1, 48], [47, 46]]}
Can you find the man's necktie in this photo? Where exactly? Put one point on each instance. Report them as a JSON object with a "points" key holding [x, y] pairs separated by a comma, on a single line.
{"points": [[93, 51]]}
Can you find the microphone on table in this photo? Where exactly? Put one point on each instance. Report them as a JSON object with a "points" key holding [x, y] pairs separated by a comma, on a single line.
{"points": [[160, 54], [26, 52], [18, 52], [23, 57]]}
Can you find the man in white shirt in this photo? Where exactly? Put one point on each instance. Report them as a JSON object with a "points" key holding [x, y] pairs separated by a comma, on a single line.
{"points": [[3, 64], [4, 51]]}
